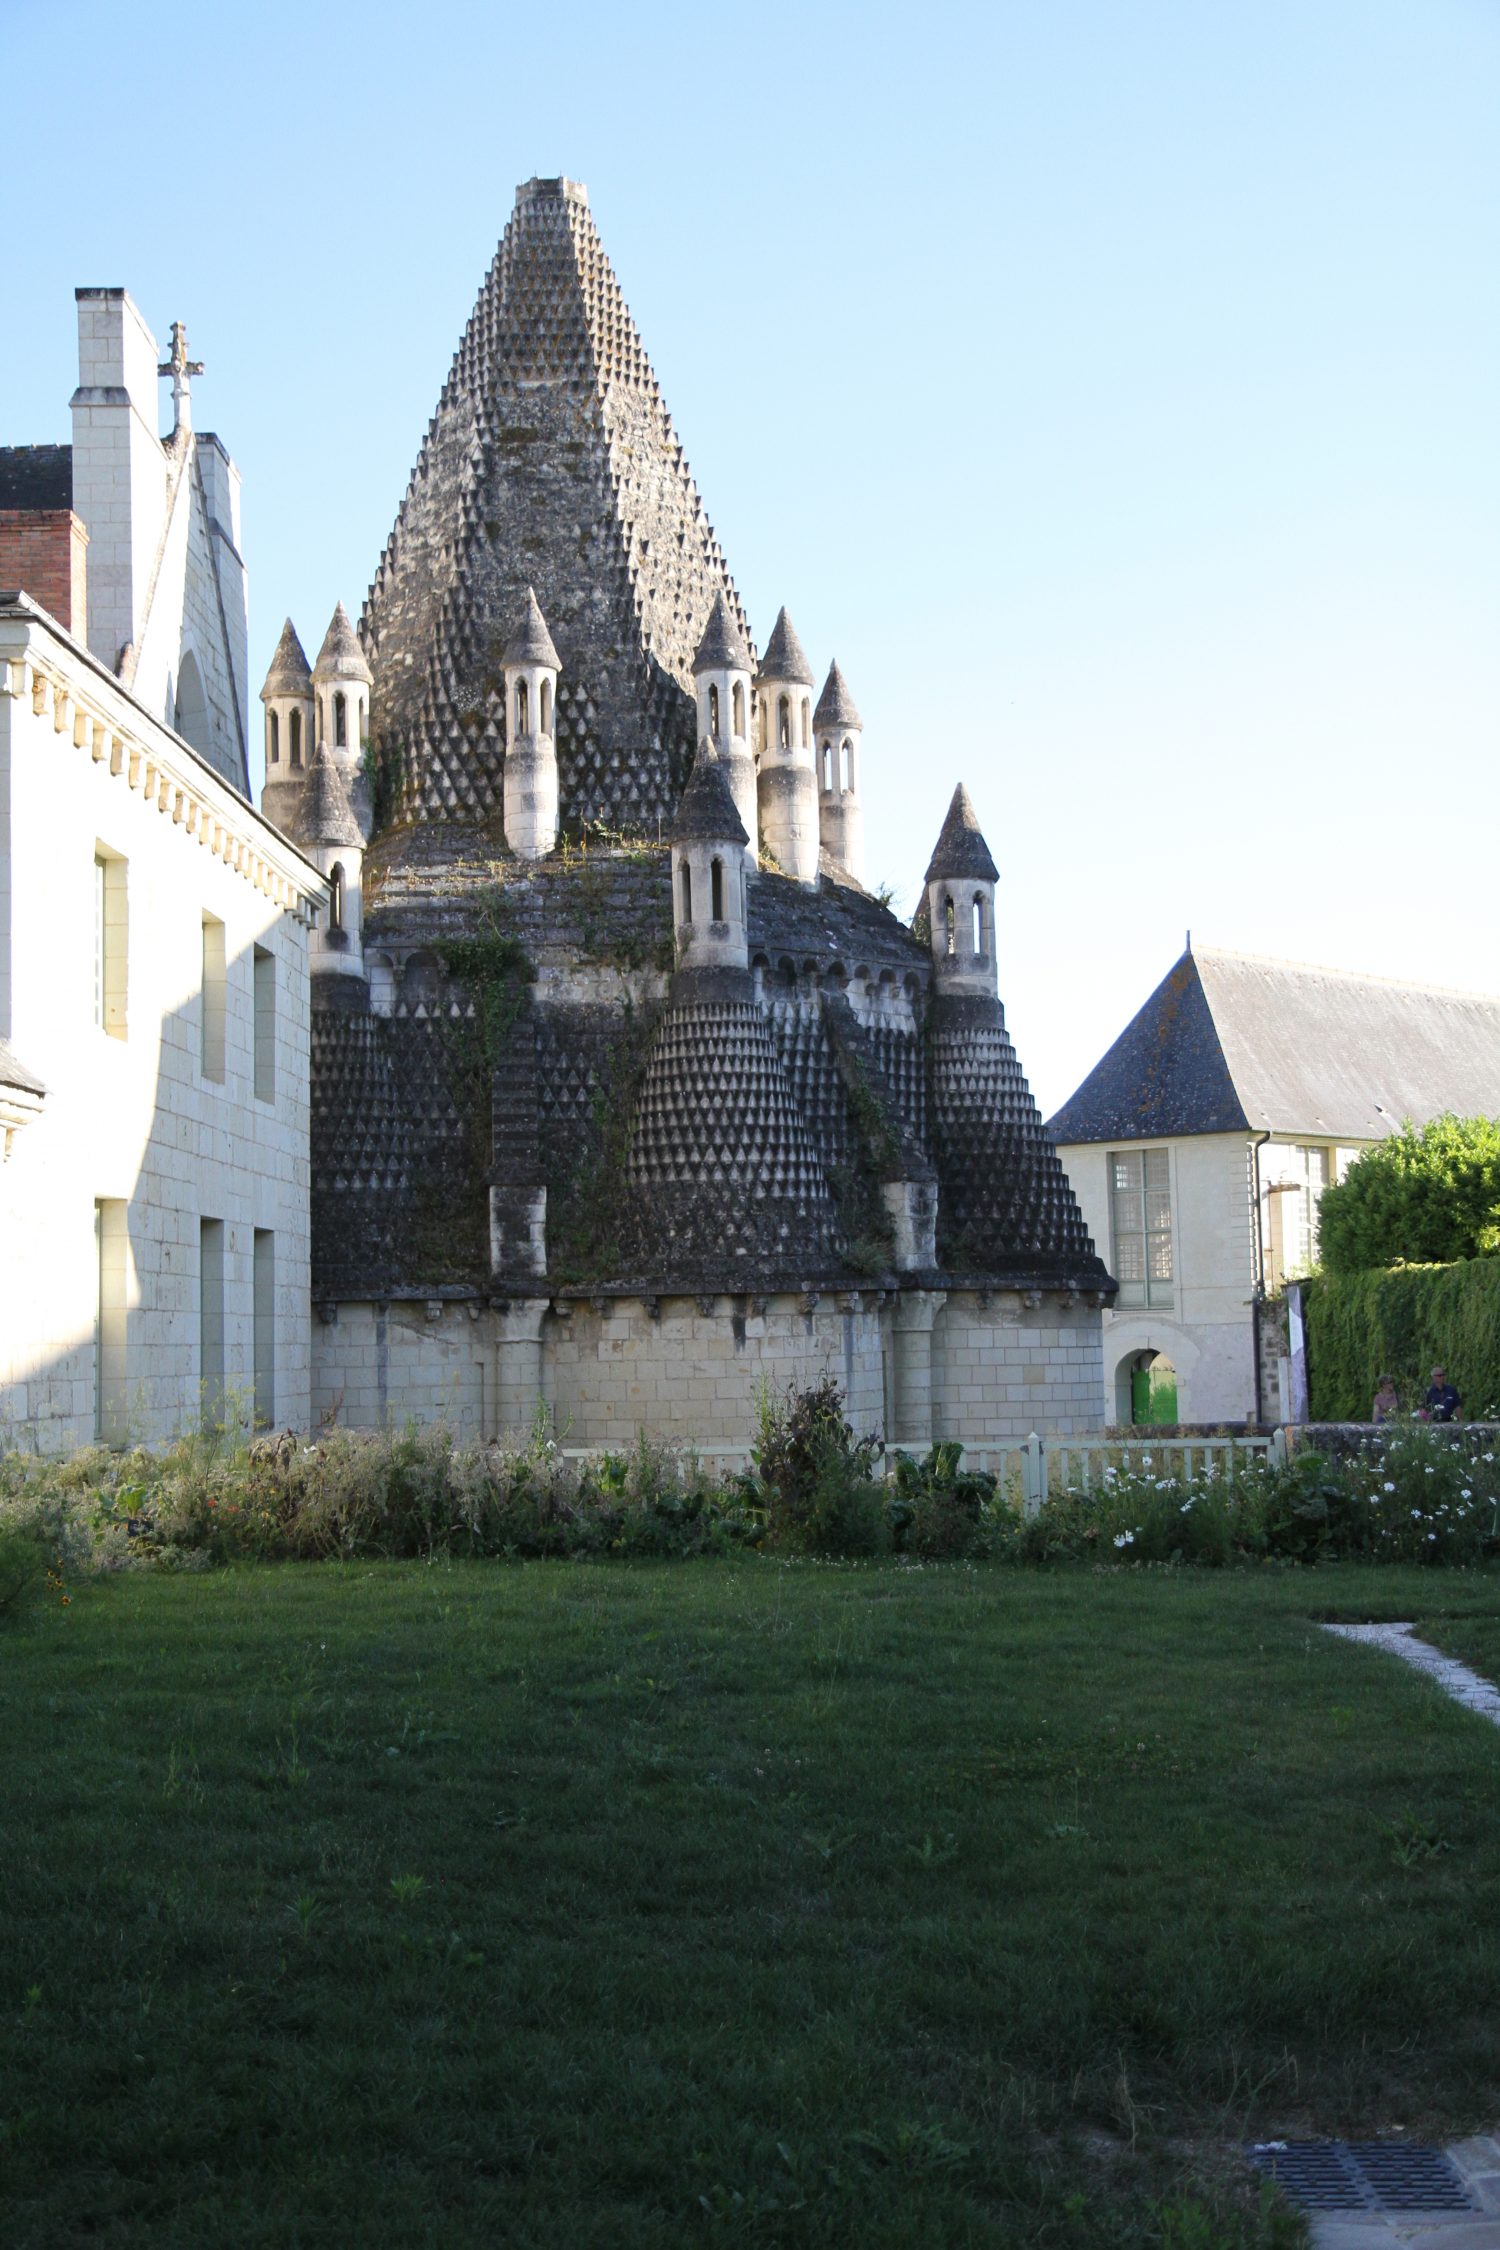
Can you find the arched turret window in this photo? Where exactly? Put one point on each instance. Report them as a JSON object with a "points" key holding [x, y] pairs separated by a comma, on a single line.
{"points": [[950, 942], [340, 721], [294, 738], [762, 721], [979, 945], [336, 896], [713, 714], [274, 739], [806, 722], [738, 707], [523, 707], [687, 892], [784, 723], [848, 766], [716, 883], [546, 706]]}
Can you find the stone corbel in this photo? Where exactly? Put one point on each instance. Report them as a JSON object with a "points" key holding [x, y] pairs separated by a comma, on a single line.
{"points": [[651, 1306], [811, 1299], [1031, 1298], [707, 1303]]}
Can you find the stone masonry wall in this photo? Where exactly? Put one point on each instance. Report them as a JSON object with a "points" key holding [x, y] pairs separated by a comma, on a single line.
{"points": [[1004, 1368], [612, 1367]]}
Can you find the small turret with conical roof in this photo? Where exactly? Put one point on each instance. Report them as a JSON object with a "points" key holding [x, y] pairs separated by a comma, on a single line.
{"points": [[722, 671], [841, 822], [288, 698], [708, 870], [341, 682], [329, 831], [787, 786], [531, 666], [961, 879]]}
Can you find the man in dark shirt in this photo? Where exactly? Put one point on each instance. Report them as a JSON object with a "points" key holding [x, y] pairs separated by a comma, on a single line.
{"points": [[1443, 1401]]}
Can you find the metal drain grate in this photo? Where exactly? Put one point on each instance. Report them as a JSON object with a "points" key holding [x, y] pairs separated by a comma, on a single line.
{"points": [[1363, 2176]]}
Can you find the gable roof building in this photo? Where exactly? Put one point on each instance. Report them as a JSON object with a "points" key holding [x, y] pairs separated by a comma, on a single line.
{"points": [[1233, 1042], [1200, 1143]]}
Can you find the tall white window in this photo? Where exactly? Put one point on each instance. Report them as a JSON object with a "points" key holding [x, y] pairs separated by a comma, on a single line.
{"points": [[1140, 1211], [1292, 1198], [111, 1255], [265, 1024], [110, 934], [264, 1338], [211, 1319], [213, 999]]}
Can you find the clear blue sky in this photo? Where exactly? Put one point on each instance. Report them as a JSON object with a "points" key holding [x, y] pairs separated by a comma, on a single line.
{"points": [[1113, 387]]}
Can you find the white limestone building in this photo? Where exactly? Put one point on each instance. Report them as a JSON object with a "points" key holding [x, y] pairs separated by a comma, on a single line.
{"points": [[1199, 1146], [154, 940]]}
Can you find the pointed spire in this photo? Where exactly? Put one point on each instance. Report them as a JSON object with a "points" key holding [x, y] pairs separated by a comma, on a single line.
{"points": [[289, 673], [707, 814], [723, 647], [327, 817], [961, 852], [341, 657], [836, 704], [785, 658], [528, 641]]}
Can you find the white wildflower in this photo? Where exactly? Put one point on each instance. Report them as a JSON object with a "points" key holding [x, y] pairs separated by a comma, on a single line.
{"points": [[1124, 1538]]}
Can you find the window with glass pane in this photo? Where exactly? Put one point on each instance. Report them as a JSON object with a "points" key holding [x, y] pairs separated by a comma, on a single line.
{"points": [[1140, 1200]]}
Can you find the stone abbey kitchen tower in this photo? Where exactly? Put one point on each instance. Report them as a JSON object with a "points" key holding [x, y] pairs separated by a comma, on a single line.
{"points": [[626, 1094]]}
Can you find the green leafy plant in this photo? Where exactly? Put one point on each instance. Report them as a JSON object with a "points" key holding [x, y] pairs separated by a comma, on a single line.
{"points": [[1423, 1197]]}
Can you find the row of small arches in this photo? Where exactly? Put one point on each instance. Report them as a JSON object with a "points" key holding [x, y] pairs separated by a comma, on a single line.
{"points": [[977, 919], [523, 708], [294, 731]]}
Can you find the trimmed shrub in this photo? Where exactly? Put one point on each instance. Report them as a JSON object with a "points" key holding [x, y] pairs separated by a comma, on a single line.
{"points": [[1403, 1321]]}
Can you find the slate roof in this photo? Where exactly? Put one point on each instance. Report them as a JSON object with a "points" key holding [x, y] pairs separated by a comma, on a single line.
{"points": [[36, 477], [1232, 1042], [326, 815], [529, 641], [836, 704], [785, 657], [552, 461], [707, 812], [961, 853], [723, 647], [289, 673], [341, 657]]}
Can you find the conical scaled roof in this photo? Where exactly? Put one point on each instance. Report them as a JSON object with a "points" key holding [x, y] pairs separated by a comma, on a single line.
{"points": [[707, 812], [961, 853], [529, 641], [723, 647], [289, 673], [326, 815], [785, 657], [836, 704], [551, 461], [341, 657]]}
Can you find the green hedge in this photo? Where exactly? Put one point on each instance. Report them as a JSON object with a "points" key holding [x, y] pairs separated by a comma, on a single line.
{"points": [[1403, 1321]]}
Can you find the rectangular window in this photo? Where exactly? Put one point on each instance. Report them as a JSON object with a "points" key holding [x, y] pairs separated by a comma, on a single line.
{"points": [[211, 1320], [112, 1259], [264, 1343], [212, 1003], [265, 1024], [109, 941], [1292, 1199], [1140, 1209]]}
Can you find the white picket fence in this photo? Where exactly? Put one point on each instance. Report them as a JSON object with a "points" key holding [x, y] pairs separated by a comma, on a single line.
{"points": [[1029, 1469]]}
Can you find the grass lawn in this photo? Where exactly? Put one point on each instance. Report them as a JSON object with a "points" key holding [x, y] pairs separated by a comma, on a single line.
{"points": [[573, 1905]]}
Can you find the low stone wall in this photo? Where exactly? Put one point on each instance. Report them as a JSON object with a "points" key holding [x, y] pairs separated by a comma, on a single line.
{"points": [[912, 1365], [1342, 1440]]}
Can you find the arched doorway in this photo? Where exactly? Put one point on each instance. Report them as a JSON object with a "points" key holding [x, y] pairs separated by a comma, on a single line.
{"points": [[1146, 1386]]}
